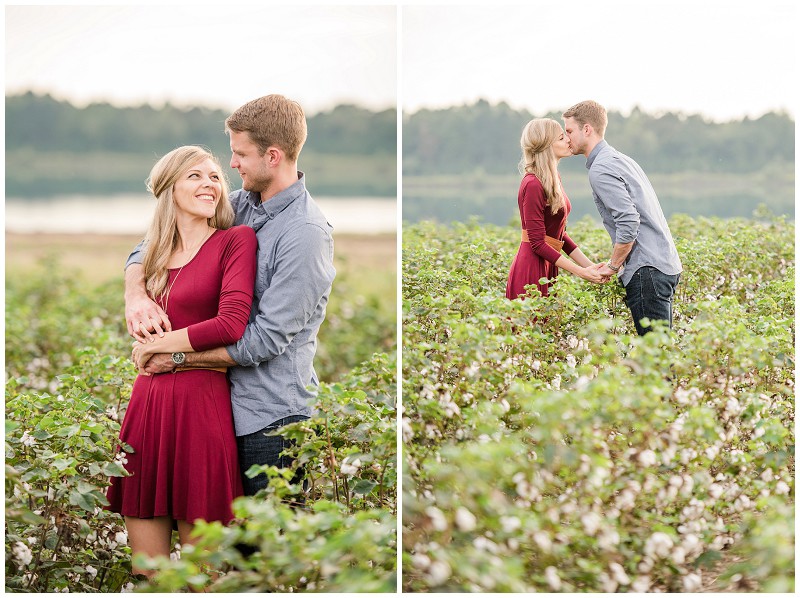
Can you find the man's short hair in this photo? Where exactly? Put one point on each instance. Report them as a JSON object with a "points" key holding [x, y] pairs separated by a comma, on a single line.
{"points": [[272, 120], [589, 112]]}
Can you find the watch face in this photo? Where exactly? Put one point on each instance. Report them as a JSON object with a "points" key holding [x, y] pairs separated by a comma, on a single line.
{"points": [[178, 358]]}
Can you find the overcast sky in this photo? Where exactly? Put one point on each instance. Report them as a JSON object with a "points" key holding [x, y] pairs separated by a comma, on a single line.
{"points": [[220, 56], [722, 59]]}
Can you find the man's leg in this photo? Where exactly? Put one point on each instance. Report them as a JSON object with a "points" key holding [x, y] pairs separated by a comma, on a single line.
{"points": [[260, 448], [649, 294]]}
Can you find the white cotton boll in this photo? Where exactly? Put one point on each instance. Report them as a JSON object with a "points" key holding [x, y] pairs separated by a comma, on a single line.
{"points": [[27, 439], [692, 582], [484, 544], [542, 540], [608, 540], [766, 475], [91, 571], [598, 477], [22, 554], [348, 469], [782, 488], [607, 583], [556, 383], [591, 522], [645, 565], [121, 537], [572, 341], [742, 503], [510, 524], [421, 561], [641, 584], [679, 555], [619, 575], [465, 520], [691, 545], [408, 432], [552, 578], [438, 520], [571, 361], [626, 500], [715, 491], [687, 486], [536, 365], [438, 573], [658, 545], [647, 458]]}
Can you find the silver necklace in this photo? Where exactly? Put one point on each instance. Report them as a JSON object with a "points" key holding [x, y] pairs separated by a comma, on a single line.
{"points": [[194, 253]]}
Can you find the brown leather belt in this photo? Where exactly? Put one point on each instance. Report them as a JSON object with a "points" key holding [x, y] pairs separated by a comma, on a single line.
{"points": [[551, 241], [184, 368]]}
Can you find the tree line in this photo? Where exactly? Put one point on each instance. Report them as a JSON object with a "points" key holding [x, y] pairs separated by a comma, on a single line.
{"points": [[103, 149], [485, 137], [43, 122]]}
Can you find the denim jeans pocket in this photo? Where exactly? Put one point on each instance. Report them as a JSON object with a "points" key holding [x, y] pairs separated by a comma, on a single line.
{"points": [[661, 284]]}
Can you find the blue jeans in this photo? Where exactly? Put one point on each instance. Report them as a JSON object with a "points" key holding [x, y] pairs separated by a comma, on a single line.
{"points": [[649, 295], [260, 449]]}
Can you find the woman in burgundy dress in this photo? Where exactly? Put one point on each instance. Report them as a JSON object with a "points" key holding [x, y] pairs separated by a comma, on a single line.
{"points": [[184, 463], [543, 209]]}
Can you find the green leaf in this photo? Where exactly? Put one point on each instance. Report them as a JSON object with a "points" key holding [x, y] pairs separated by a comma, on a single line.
{"points": [[364, 486]]}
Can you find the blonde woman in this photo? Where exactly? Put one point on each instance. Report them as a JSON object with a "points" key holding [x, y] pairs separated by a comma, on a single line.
{"points": [[201, 272], [543, 209]]}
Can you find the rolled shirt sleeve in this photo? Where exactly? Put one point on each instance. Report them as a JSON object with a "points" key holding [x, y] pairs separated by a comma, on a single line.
{"points": [[302, 278], [136, 256]]}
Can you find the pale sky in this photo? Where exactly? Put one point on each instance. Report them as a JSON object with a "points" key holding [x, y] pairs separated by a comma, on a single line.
{"points": [[720, 58], [219, 56]]}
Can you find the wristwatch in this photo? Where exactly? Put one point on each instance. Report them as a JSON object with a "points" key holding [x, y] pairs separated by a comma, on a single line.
{"points": [[178, 358]]}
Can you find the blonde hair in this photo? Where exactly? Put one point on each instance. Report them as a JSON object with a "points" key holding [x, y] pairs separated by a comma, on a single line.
{"points": [[272, 120], [162, 236], [538, 158], [589, 112]]}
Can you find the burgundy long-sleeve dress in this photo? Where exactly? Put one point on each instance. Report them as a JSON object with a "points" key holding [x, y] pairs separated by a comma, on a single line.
{"points": [[180, 424], [536, 259]]}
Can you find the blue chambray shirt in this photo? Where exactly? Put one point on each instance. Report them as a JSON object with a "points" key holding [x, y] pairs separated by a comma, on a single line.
{"points": [[293, 282], [630, 211]]}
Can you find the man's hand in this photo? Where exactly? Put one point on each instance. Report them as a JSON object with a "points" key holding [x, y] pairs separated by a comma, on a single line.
{"points": [[604, 271], [143, 315], [159, 363], [145, 318]]}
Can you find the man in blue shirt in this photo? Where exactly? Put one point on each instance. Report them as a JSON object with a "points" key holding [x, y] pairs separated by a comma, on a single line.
{"points": [[271, 367], [644, 255]]}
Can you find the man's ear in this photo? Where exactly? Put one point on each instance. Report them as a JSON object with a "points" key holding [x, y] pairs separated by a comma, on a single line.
{"points": [[274, 156]]}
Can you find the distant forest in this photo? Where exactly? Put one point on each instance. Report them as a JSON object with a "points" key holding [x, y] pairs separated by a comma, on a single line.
{"points": [[463, 161], [55, 147]]}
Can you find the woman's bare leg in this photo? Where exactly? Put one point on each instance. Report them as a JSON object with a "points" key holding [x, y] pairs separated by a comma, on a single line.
{"points": [[185, 530], [151, 537]]}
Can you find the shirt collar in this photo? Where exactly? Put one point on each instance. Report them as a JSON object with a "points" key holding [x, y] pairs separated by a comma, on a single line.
{"points": [[597, 148], [280, 201]]}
